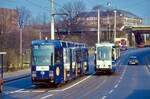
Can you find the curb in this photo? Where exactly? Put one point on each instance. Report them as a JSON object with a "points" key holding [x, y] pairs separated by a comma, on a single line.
{"points": [[16, 78]]}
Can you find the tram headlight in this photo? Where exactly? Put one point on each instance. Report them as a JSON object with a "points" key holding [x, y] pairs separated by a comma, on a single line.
{"points": [[85, 63], [73, 65], [34, 74], [98, 66], [42, 73], [51, 76], [50, 73], [109, 66]]}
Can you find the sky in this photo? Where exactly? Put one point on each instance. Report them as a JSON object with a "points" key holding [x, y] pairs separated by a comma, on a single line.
{"points": [[140, 8]]}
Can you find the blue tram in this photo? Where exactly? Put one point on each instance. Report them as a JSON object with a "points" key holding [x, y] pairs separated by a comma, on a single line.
{"points": [[56, 61]]}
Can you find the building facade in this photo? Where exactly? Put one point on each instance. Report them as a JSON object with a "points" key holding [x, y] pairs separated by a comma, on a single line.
{"points": [[107, 21]]}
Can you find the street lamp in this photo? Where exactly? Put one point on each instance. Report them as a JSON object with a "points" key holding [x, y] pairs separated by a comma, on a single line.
{"points": [[98, 30], [115, 12], [52, 21], [108, 19], [108, 26], [21, 26]]}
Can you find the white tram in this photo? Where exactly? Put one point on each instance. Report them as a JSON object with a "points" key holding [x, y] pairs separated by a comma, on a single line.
{"points": [[106, 55]]}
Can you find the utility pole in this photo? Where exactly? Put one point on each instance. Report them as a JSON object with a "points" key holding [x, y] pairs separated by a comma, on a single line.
{"points": [[108, 19], [21, 48], [40, 34], [108, 22], [115, 24], [98, 30], [52, 21]]}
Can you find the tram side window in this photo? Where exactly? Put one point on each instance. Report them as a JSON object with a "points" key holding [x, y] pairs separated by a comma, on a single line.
{"points": [[78, 56], [73, 55], [98, 53], [85, 55], [113, 54], [58, 56], [66, 55]]}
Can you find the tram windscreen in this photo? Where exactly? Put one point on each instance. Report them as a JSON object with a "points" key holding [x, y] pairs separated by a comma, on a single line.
{"points": [[42, 54], [104, 53]]}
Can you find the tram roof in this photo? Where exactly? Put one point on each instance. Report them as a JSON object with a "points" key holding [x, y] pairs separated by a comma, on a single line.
{"points": [[58, 43], [105, 44]]}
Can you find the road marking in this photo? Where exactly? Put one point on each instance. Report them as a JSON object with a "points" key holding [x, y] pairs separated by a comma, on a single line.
{"points": [[119, 81], [111, 91], [123, 72], [101, 84], [38, 91], [116, 86], [55, 90], [81, 97], [65, 88], [76, 83], [24, 91], [16, 91], [147, 70], [121, 77], [47, 96], [103, 97]]}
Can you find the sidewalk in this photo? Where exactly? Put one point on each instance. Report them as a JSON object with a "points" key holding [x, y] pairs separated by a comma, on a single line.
{"points": [[10, 76]]}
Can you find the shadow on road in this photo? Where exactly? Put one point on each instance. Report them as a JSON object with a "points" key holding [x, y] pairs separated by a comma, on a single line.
{"points": [[4, 96], [59, 86], [107, 74]]}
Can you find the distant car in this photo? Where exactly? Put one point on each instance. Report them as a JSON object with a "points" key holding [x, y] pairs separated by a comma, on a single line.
{"points": [[133, 60]]}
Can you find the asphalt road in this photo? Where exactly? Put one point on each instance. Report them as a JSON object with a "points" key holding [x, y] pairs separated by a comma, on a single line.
{"points": [[129, 82]]}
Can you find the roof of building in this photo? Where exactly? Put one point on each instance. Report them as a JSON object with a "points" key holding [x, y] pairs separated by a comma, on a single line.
{"points": [[104, 13]]}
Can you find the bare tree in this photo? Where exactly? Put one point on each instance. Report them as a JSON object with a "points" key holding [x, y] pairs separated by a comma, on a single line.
{"points": [[6, 26], [23, 15], [73, 9], [44, 18]]}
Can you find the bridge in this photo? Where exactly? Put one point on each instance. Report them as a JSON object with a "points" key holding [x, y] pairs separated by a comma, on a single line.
{"points": [[139, 32]]}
